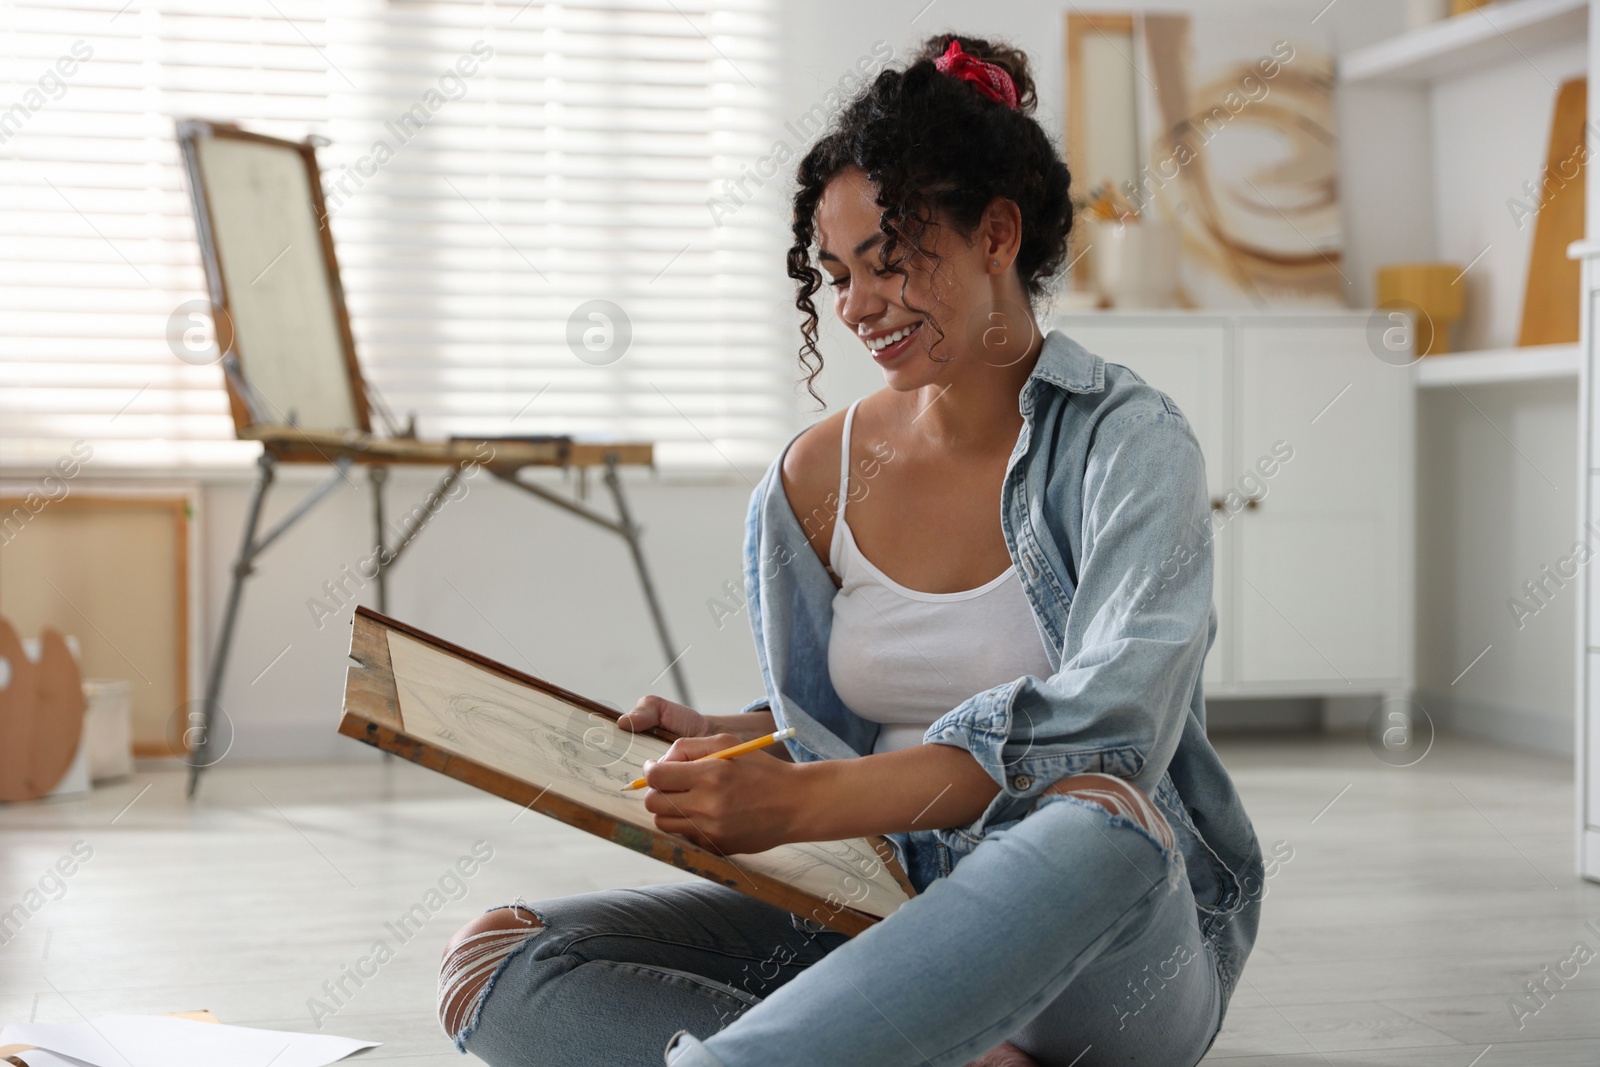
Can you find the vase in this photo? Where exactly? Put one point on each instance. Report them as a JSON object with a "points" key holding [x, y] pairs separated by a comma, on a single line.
{"points": [[1136, 263]]}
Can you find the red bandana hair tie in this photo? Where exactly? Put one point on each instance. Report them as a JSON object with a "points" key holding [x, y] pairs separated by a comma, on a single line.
{"points": [[990, 79]]}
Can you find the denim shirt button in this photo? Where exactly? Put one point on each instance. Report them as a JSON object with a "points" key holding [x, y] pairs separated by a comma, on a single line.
{"points": [[1021, 782]]}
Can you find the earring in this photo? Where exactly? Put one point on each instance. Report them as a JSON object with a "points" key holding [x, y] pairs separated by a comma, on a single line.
{"points": [[997, 262]]}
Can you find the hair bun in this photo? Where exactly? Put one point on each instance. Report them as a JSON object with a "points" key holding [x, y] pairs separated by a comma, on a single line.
{"points": [[1013, 60]]}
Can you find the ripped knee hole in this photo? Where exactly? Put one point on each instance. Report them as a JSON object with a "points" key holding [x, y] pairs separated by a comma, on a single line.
{"points": [[1119, 797], [473, 955]]}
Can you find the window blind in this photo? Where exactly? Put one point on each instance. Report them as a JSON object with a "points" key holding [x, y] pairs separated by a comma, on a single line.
{"points": [[524, 202]]}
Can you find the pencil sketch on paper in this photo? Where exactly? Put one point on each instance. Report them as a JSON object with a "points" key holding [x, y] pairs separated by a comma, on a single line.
{"points": [[600, 769], [519, 730], [583, 756]]}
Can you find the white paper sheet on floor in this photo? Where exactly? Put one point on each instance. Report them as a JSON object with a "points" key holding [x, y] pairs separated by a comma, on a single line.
{"points": [[162, 1041], [38, 1057]]}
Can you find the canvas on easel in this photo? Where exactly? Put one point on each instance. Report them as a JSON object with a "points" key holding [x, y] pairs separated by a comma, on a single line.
{"points": [[562, 754], [278, 304]]}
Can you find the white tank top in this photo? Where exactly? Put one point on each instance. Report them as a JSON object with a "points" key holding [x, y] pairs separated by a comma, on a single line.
{"points": [[902, 657]]}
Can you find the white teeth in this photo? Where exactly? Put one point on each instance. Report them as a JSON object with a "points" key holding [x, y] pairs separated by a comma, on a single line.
{"points": [[880, 343]]}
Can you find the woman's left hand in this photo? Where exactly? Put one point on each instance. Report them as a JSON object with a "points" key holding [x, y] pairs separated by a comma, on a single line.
{"points": [[744, 804]]}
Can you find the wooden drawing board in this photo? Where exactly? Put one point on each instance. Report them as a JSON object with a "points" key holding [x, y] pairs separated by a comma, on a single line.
{"points": [[561, 754]]}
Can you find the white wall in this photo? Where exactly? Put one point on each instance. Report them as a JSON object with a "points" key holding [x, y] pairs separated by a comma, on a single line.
{"points": [[519, 580]]}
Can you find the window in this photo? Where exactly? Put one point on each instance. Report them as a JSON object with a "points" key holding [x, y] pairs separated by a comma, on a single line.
{"points": [[490, 170]]}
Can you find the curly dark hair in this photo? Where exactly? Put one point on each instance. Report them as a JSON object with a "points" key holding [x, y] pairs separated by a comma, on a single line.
{"points": [[938, 150]]}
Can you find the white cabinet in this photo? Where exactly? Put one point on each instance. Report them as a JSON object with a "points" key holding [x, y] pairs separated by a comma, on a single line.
{"points": [[1187, 360], [1322, 572], [1309, 463]]}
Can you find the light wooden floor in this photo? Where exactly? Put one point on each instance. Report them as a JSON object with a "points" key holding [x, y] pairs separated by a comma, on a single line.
{"points": [[1414, 907]]}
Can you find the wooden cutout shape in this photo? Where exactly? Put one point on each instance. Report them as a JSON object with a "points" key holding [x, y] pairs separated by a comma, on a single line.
{"points": [[41, 715]]}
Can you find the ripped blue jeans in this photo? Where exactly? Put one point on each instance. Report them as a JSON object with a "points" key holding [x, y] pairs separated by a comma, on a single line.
{"points": [[1071, 933]]}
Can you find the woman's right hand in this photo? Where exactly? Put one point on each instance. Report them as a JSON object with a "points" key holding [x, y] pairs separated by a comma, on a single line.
{"points": [[652, 711]]}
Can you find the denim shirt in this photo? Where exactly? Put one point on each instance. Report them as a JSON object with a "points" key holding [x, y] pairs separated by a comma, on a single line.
{"points": [[1105, 513]]}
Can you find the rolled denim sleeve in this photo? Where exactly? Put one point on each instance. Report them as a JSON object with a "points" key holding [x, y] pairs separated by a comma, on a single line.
{"points": [[760, 703], [1140, 622]]}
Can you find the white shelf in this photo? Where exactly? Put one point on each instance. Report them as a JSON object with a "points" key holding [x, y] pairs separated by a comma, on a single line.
{"points": [[1529, 364], [1498, 33]]}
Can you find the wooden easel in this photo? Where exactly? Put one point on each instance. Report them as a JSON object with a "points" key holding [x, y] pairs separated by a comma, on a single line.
{"points": [[276, 361]]}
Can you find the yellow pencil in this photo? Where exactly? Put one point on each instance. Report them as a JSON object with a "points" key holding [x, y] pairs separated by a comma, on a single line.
{"points": [[728, 753]]}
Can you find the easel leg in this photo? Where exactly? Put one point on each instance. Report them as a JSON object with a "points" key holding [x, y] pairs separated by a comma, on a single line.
{"points": [[630, 533], [219, 657], [378, 475]]}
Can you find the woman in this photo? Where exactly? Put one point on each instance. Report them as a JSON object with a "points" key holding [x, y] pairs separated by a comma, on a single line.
{"points": [[1016, 706]]}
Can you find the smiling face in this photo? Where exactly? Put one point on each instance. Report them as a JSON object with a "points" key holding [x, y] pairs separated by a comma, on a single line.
{"points": [[956, 286]]}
